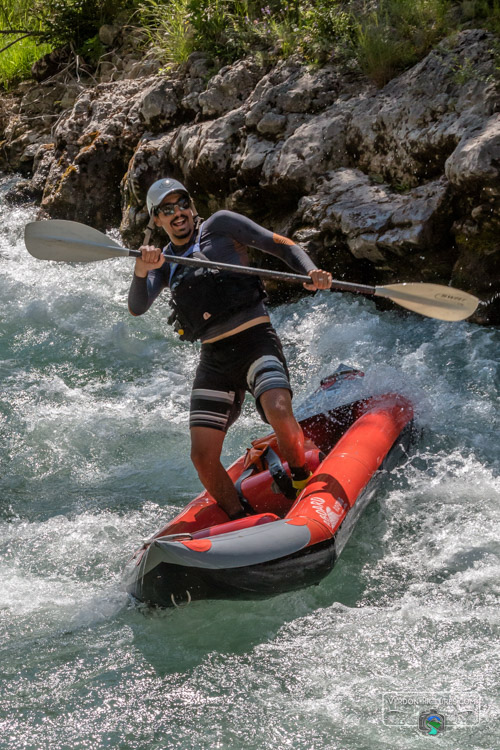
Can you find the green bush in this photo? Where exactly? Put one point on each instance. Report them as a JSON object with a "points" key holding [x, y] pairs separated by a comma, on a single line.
{"points": [[17, 57], [75, 22], [69, 21], [379, 37], [16, 62], [382, 38], [228, 29], [49, 24], [179, 27], [398, 34], [479, 12]]}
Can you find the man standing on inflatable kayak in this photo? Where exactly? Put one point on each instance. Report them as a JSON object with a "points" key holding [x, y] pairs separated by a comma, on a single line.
{"points": [[240, 349]]}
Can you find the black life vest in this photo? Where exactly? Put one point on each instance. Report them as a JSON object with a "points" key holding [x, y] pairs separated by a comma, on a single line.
{"points": [[201, 297]]}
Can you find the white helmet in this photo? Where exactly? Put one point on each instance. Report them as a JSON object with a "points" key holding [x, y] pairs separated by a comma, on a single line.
{"points": [[160, 189]]}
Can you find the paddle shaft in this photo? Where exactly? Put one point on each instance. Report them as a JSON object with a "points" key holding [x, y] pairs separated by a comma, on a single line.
{"points": [[263, 273], [343, 286]]}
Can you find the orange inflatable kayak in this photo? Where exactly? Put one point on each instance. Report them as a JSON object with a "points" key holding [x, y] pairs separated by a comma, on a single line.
{"points": [[289, 543]]}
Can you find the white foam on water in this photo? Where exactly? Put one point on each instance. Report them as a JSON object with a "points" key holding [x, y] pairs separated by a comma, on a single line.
{"points": [[65, 573], [95, 457]]}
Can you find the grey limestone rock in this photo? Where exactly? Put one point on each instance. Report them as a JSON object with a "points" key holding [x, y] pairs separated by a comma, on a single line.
{"points": [[404, 179]]}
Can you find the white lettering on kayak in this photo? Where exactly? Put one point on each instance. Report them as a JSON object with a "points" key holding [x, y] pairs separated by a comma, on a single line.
{"points": [[329, 516]]}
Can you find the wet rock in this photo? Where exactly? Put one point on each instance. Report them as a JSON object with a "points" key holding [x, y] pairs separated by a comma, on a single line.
{"points": [[403, 181], [316, 147], [108, 34], [271, 124], [476, 231], [476, 159], [253, 157], [393, 231], [477, 268], [93, 144], [51, 64], [159, 104], [229, 88], [404, 133], [205, 152], [32, 190], [49, 99]]}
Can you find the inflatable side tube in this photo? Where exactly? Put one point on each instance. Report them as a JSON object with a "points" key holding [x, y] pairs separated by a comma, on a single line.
{"points": [[236, 549]]}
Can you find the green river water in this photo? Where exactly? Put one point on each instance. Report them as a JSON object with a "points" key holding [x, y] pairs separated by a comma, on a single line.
{"points": [[95, 456]]}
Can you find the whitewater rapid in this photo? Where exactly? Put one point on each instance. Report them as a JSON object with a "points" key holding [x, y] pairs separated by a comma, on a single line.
{"points": [[95, 456]]}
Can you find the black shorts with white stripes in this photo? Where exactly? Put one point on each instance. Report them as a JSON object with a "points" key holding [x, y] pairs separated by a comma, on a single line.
{"points": [[251, 361]]}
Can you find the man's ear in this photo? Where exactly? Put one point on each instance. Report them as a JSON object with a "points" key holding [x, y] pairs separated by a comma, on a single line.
{"points": [[156, 220]]}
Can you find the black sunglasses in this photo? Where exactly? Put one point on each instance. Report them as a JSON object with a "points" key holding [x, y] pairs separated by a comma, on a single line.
{"points": [[169, 208]]}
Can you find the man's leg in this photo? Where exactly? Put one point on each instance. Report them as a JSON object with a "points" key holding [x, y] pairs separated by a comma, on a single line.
{"points": [[269, 383], [206, 448], [277, 406]]}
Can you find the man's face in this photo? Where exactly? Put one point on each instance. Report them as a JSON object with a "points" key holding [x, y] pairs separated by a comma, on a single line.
{"points": [[180, 225]]}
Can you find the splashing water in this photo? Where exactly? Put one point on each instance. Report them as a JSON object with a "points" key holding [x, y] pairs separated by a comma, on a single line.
{"points": [[95, 456]]}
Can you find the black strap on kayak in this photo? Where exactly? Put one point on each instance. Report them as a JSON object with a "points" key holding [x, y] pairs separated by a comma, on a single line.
{"points": [[246, 505], [278, 473]]}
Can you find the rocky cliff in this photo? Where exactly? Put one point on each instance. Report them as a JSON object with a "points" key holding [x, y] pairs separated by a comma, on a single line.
{"points": [[380, 185]]}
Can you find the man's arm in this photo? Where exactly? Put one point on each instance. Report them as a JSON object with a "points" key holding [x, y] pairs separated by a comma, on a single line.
{"points": [[249, 233], [147, 282]]}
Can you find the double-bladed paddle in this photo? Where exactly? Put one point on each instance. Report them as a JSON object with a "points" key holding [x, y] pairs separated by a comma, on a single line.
{"points": [[72, 242]]}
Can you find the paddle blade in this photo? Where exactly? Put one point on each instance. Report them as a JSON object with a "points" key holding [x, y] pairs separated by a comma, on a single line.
{"points": [[69, 241], [433, 300]]}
